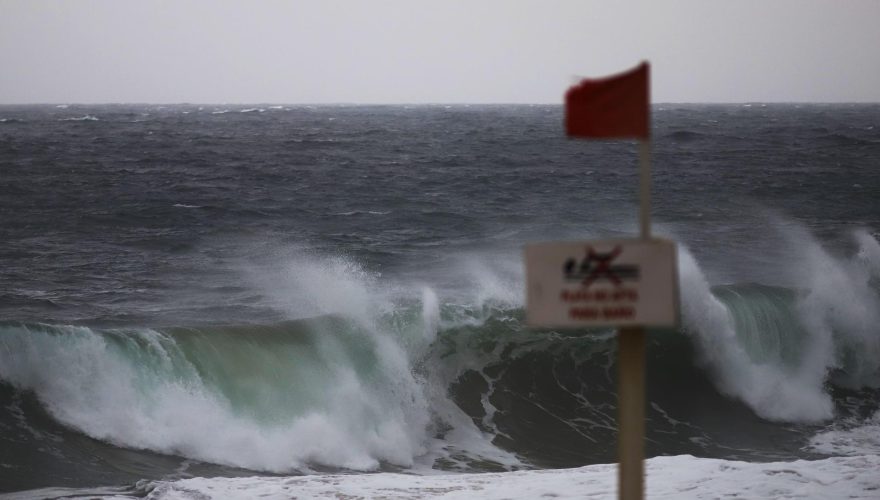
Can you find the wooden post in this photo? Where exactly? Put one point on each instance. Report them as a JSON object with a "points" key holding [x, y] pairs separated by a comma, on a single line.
{"points": [[631, 413], [631, 393]]}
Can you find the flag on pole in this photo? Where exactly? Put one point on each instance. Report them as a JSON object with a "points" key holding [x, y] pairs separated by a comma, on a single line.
{"points": [[617, 106]]}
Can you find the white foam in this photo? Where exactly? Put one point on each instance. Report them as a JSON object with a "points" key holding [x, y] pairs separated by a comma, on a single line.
{"points": [[838, 314], [86, 118], [495, 280], [148, 394], [841, 311], [859, 439], [868, 255], [87, 383], [306, 285], [680, 477], [310, 285], [363, 212], [430, 314], [770, 390]]}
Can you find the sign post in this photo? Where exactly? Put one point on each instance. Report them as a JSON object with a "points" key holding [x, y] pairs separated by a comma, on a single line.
{"points": [[631, 413], [631, 393], [631, 284]]}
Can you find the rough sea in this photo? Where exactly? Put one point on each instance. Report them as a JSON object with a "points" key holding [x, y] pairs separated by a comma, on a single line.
{"points": [[230, 301]]}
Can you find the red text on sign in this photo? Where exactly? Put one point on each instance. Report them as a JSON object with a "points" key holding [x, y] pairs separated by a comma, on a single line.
{"points": [[604, 313], [615, 295]]}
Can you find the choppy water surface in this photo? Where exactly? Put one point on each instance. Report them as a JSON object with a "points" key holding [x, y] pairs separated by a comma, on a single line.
{"points": [[230, 290]]}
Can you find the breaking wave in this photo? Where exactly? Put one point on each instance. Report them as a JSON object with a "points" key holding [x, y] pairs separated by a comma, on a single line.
{"points": [[373, 375]]}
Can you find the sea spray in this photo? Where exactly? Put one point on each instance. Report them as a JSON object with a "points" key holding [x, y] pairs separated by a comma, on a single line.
{"points": [[496, 282], [360, 217], [776, 349], [274, 400], [868, 255], [430, 315], [841, 309], [371, 372], [852, 438], [396, 405], [769, 389], [403, 332]]}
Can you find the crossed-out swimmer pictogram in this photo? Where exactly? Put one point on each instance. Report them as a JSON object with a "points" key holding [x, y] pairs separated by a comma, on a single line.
{"points": [[597, 265]]}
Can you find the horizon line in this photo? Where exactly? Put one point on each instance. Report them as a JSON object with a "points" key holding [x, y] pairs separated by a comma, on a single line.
{"points": [[438, 103]]}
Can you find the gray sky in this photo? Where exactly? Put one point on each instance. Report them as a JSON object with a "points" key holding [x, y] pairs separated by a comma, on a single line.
{"points": [[410, 51]]}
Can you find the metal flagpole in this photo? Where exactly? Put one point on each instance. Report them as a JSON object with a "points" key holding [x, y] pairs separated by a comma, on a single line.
{"points": [[631, 368]]}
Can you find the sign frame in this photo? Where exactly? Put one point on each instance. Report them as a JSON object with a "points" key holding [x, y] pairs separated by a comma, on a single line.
{"points": [[623, 282]]}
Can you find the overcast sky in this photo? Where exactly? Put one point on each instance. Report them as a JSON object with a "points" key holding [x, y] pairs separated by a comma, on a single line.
{"points": [[449, 51]]}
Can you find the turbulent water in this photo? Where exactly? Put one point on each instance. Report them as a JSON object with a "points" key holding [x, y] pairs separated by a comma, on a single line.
{"points": [[201, 291]]}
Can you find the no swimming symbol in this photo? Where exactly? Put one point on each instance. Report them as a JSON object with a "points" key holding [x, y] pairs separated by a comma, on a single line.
{"points": [[618, 282], [597, 266]]}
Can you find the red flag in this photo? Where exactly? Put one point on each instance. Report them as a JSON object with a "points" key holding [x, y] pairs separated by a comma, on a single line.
{"points": [[615, 106]]}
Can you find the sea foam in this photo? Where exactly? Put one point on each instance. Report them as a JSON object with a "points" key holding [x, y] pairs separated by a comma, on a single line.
{"points": [[836, 332], [343, 388], [680, 477], [139, 389]]}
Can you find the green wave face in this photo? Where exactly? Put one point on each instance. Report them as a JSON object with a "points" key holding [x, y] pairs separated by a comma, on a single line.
{"points": [[278, 397], [444, 384], [765, 320]]}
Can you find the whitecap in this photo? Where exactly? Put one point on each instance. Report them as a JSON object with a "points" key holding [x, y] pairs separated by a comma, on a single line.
{"points": [[86, 118], [362, 212], [848, 440], [681, 477]]}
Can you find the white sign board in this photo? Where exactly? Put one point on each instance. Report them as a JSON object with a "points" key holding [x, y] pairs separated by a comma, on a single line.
{"points": [[626, 282]]}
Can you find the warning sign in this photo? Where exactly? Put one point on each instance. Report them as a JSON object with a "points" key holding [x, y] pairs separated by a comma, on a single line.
{"points": [[602, 283]]}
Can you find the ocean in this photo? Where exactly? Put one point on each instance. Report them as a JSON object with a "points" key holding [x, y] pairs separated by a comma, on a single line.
{"points": [[221, 301]]}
